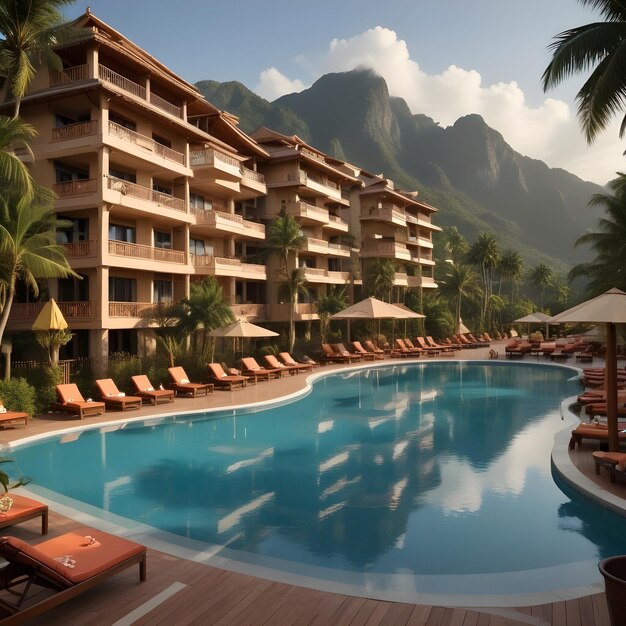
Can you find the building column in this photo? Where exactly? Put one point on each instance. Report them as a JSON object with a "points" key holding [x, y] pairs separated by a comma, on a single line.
{"points": [[93, 62], [99, 351]]}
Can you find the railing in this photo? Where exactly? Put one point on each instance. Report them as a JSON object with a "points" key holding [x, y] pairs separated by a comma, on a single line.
{"points": [[380, 247], [68, 75], [209, 156], [69, 367], [210, 261], [71, 310], [129, 309], [248, 310], [138, 251], [125, 134], [76, 249], [75, 187], [383, 213], [75, 131], [211, 217], [126, 188], [165, 105], [252, 175], [303, 209], [109, 76], [313, 155], [339, 247]]}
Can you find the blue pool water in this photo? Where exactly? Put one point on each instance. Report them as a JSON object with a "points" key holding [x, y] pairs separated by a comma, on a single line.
{"points": [[432, 472]]}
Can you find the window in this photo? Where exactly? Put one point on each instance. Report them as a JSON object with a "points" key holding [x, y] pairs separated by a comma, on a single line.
{"points": [[66, 173], [162, 239], [76, 231], [161, 140], [73, 289], [122, 289], [117, 232], [129, 176], [122, 121], [197, 247], [197, 201], [161, 187], [163, 291]]}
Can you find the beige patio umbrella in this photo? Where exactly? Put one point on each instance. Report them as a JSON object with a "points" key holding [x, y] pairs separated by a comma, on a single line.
{"points": [[241, 329], [49, 318], [610, 309]]}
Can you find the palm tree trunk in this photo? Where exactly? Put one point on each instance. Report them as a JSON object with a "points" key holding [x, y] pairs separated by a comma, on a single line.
{"points": [[4, 317], [292, 324]]}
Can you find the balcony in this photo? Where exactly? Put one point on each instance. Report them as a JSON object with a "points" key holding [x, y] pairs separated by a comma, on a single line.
{"points": [[222, 266], [80, 249], [74, 188], [253, 180], [319, 275], [76, 310], [335, 223], [250, 312], [146, 144], [129, 309], [385, 249], [280, 312], [384, 214], [338, 249], [307, 213], [69, 75], [315, 246], [221, 222], [75, 131], [138, 251], [210, 159], [132, 190], [318, 184]]}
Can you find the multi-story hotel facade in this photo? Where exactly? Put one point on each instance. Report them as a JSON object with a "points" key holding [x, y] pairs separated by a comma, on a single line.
{"points": [[160, 188]]}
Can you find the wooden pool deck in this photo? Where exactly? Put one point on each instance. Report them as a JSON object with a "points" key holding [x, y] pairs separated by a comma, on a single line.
{"points": [[181, 591]]}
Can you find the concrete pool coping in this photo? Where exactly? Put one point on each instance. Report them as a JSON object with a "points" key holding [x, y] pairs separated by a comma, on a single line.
{"points": [[217, 556]]}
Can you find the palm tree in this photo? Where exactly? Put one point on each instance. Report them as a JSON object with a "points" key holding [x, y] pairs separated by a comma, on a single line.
{"points": [[379, 279], [459, 283], [542, 277], [334, 301], [14, 133], [29, 30], [601, 46], [608, 269], [206, 308], [511, 268], [284, 237], [28, 248], [484, 253], [290, 289], [455, 244]]}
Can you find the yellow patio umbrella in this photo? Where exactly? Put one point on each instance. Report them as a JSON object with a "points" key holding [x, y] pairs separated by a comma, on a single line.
{"points": [[50, 318]]}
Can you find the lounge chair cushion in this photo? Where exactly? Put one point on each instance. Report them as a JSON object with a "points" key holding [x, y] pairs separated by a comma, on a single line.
{"points": [[85, 561]]}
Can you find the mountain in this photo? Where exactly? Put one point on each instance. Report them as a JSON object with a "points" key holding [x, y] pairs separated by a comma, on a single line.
{"points": [[467, 170]]}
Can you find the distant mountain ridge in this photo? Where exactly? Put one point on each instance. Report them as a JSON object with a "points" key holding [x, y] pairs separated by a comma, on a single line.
{"points": [[467, 170]]}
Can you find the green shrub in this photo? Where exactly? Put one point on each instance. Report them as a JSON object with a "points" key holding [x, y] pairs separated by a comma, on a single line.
{"points": [[45, 379], [121, 367], [18, 395]]}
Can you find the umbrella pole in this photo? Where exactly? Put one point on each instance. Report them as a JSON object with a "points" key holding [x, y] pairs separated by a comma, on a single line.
{"points": [[611, 385]]}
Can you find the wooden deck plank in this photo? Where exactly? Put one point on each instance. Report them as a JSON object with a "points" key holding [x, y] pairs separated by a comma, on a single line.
{"points": [[471, 618], [572, 613], [399, 614], [600, 610], [436, 616], [558, 614], [365, 610], [419, 616], [327, 608]]}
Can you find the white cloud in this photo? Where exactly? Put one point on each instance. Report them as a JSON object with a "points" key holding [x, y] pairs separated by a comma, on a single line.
{"points": [[549, 132], [273, 84]]}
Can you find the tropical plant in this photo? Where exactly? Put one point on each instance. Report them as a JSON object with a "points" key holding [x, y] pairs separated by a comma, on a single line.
{"points": [[15, 134], [484, 254], [608, 241], [17, 395], [29, 30], [206, 309], [460, 283], [28, 248], [284, 237], [511, 269], [290, 289], [379, 279], [334, 301], [542, 277], [52, 340], [601, 46], [454, 244]]}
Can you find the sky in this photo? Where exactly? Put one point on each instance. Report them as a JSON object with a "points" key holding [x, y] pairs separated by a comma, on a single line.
{"points": [[446, 58]]}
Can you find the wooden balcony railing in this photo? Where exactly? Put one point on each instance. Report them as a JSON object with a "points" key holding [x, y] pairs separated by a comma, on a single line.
{"points": [[68, 75], [248, 310], [252, 175], [138, 251], [75, 131], [128, 309], [211, 217], [75, 187], [109, 76], [71, 310], [209, 157], [127, 188], [125, 134], [77, 249], [305, 210], [165, 105]]}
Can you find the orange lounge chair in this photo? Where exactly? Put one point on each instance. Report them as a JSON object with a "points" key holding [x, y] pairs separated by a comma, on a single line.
{"points": [[275, 364], [592, 431], [181, 383], [221, 379], [340, 349], [287, 359], [615, 462], [251, 368], [67, 565], [430, 350], [70, 400], [329, 354], [113, 398], [599, 408], [367, 355], [24, 509], [145, 390], [402, 348], [433, 344], [369, 345]]}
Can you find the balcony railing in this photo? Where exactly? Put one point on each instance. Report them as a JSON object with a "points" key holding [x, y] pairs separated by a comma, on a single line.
{"points": [[138, 251], [212, 217], [256, 311], [71, 310], [210, 156], [386, 214], [77, 249], [338, 247], [129, 309], [252, 175], [126, 188], [75, 131], [232, 265], [307, 211], [68, 75], [165, 105], [75, 187], [125, 134]]}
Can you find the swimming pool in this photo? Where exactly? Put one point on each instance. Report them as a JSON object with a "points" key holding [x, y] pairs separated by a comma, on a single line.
{"points": [[425, 478]]}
